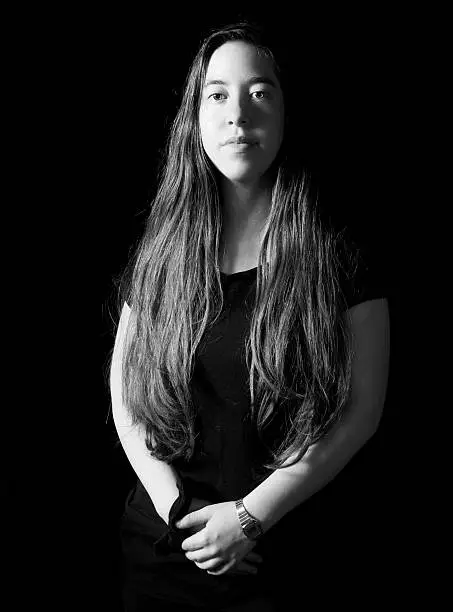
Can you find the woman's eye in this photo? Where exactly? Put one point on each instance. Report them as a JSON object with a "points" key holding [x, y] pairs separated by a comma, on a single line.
{"points": [[260, 95], [216, 94]]}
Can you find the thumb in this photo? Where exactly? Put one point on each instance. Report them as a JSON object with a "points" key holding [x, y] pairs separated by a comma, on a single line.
{"points": [[199, 517]]}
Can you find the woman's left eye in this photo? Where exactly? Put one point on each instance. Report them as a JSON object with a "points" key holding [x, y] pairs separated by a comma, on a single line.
{"points": [[260, 94]]}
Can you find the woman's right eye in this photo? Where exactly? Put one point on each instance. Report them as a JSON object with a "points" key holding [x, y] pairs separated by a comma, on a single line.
{"points": [[216, 94]]}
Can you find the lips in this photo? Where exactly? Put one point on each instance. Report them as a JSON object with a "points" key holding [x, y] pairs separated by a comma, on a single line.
{"points": [[238, 140]]}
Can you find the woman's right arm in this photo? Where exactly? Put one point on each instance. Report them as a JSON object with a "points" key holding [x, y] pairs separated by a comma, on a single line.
{"points": [[158, 477]]}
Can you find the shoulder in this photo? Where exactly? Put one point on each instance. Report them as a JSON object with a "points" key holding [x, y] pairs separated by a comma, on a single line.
{"points": [[370, 317], [362, 275]]}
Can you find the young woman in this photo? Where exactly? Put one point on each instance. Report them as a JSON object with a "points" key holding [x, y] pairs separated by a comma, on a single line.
{"points": [[251, 358]]}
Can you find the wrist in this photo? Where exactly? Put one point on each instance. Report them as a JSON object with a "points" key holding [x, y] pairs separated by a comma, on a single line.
{"points": [[251, 526], [254, 509]]}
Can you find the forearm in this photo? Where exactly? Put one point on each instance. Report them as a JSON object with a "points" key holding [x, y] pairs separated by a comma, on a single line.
{"points": [[288, 487], [158, 478]]}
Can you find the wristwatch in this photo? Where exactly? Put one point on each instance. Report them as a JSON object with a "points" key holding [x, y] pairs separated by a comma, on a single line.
{"points": [[250, 525]]}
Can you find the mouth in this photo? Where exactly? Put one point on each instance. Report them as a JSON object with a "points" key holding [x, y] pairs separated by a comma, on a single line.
{"points": [[239, 147], [240, 140]]}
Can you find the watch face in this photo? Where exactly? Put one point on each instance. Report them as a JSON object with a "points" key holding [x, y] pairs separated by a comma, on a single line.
{"points": [[252, 531]]}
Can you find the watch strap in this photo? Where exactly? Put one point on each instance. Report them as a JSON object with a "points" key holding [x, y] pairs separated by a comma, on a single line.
{"points": [[250, 525]]}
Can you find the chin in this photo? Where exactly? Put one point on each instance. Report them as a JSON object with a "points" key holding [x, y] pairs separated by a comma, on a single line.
{"points": [[242, 175]]}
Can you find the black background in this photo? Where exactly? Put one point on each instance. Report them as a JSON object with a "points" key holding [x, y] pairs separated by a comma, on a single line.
{"points": [[353, 119], [112, 95]]}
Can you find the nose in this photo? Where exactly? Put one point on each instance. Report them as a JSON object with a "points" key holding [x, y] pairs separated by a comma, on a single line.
{"points": [[238, 113], [240, 120]]}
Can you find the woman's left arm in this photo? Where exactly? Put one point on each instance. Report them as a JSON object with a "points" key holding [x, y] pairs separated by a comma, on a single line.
{"points": [[288, 487]]}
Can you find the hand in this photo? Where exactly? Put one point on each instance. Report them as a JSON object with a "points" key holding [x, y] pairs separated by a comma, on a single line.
{"points": [[218, 544], [248, 563]]}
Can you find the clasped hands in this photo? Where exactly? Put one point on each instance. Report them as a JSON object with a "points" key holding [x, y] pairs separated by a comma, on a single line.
{"points": [[217, 543]]}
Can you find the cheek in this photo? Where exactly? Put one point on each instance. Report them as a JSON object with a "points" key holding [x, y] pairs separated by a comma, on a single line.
{"points": [[279, 119], [270, 118], [279, 129], [207, 128], [274, 131]]}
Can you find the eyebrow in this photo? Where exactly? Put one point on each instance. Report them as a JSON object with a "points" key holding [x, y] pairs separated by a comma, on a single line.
{"points": [[252, 81]]}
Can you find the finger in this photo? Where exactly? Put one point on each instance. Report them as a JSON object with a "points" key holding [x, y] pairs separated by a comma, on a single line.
{"points": [[242, 569], [194, 542], [254, 557], [197, 517], [201, 556], [218, 567], [246, 568], [222, 569]]}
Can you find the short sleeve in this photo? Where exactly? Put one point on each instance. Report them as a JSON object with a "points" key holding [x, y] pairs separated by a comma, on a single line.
{"points": [[365, 279]]}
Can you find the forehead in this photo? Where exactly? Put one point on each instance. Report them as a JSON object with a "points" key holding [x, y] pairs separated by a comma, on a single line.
{"points": [[236, 60]]}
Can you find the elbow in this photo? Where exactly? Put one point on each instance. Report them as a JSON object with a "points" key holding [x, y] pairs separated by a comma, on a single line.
{"points": [[371, 424], [366, 424], [370, 432]]}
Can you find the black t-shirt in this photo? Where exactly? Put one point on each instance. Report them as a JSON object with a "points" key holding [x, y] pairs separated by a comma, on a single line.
{"points": [[223, 468]]}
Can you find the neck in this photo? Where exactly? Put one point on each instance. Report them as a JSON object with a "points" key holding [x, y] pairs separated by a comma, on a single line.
{"points": [[245, 206], [245, 212]]}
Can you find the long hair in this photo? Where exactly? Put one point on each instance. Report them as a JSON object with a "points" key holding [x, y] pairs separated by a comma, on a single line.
{"points": [[298, 351]]}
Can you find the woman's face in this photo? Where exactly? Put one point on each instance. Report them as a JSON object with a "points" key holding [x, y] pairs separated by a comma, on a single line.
{"points": [[241, 98]]}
